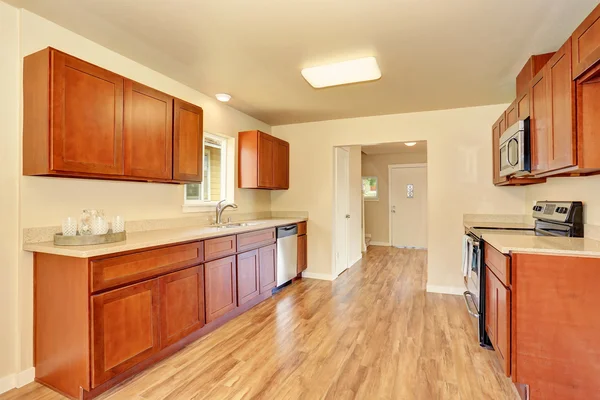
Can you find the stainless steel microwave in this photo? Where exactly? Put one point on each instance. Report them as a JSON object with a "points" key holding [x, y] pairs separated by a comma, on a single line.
{"points": [[515, 151]]}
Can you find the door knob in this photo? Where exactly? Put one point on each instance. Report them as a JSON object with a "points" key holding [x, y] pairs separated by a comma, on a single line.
{"points": [[347, 215]]}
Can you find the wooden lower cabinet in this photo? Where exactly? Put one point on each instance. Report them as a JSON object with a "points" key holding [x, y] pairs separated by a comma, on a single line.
{"points": [[497, 318], [220, 287], [125, 329], [181, 304], [302, 253], [267, 257], [248, 286]]}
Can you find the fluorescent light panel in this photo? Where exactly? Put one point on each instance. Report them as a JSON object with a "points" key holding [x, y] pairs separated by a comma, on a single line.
{"points": [[360, 70]]}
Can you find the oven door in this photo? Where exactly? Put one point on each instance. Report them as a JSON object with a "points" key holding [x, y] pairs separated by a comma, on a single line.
{"points": [[474, 296]]}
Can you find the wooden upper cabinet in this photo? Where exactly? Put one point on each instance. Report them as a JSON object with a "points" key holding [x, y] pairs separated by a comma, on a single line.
{"points": [[281, 164], [523, 106], [188, 138], [263, 161], [586, 43], [72, 117], [80, 120], [125, 329], [561, 118], [588, 120], [181, 304], [531, 68], [220, 286], [497, 129], [148, 132], [266, 150], [511, 114], [538, 109]]}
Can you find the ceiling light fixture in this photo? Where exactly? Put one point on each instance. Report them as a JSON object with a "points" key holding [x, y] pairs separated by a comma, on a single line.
{"points": [[410, 144], [224, 97], [359, 70]]}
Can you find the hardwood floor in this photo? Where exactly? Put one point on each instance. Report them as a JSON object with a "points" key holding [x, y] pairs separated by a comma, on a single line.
{"points": [[374, 333]]}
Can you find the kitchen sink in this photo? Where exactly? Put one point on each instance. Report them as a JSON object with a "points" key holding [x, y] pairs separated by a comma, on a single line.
{"points": [[237, 224]]}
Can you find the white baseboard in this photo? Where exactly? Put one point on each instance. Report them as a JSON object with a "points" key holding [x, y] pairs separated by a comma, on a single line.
{"points": [[25, 377], [314, 275], [12, 381], [358, 258], [445, 289], [372, 243]]}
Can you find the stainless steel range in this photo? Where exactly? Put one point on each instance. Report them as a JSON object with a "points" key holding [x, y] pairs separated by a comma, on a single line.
{"points": [[552, 218]]}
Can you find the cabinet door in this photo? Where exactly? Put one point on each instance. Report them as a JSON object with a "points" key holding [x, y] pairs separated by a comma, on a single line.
{"points": [[87, 117], [523, 106], [562, 145], [125, 329], [281, 164], [302, 253], [247, 276], [497, 130], [502, 344], [220, 287], [148, 132], [538, 109], [267, 257], [188, 138], [490, 305], [266, 146], [511, 114], [181, 304], [586, 43]]}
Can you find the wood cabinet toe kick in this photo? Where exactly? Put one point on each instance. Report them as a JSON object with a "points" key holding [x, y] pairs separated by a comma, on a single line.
{"points": [[101, 320]]}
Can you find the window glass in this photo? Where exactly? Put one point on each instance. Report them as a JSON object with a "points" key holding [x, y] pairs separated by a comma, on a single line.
{"points": [[214, 181]]}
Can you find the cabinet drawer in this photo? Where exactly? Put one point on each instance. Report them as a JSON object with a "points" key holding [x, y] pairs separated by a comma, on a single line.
{"points": [[301, 228], [498, 263], [253, 240], [115, 271], [219, 247]]}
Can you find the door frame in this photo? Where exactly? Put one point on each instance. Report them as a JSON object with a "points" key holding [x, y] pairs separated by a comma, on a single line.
{"points": [[390, 168], [334, 270]]}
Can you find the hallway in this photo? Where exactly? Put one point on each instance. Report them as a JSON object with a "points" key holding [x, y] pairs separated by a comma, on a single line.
{"points": [[374, 333]]}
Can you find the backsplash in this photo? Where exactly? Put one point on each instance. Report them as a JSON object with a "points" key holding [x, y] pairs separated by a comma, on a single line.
{"points": [[46, 234]]}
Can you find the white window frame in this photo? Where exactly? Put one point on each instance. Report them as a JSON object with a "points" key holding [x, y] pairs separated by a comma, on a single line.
{"points": [[227, 176], [376, 198]]}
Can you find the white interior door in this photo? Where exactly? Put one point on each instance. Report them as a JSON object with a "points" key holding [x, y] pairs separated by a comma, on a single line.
{"points": [[408, 208], [342, 208]]}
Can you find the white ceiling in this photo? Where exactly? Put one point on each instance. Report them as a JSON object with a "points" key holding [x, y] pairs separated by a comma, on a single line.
{"points": [[433, 54], [395, 148]]}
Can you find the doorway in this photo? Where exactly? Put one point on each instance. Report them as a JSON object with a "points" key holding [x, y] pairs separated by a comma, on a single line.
{"points": [[341, 209], [408, 205]]}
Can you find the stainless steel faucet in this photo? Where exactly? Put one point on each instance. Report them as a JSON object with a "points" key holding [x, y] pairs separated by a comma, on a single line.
{"points": [[221, 208]]}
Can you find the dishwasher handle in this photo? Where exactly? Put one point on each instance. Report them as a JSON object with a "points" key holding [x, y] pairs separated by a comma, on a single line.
{"points": [[289, 230]]}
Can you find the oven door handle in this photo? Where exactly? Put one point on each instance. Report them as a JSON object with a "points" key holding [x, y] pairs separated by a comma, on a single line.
{"points": [[466, 296]]}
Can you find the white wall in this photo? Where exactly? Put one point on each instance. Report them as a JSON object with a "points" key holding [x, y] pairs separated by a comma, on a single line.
{"points": [[377, 212], [586, 189], [459, 152], [39, 201], [9, 193]]}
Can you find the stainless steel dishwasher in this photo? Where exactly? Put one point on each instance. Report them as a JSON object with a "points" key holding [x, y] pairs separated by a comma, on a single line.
{"points": [[287, 253]]}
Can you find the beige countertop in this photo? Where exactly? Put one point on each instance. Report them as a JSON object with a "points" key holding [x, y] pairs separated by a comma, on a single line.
{"points": [[498, 225], [141, 240], [562, 246]]}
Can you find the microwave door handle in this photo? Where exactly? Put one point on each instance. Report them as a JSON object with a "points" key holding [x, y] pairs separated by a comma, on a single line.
{"points": [[508, 152]]}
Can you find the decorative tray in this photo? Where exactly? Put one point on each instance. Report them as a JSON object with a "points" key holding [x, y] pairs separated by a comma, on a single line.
{"points": [[88, 240]]}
